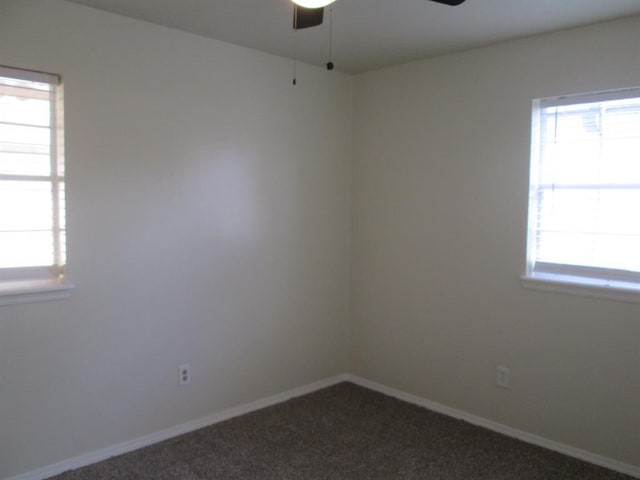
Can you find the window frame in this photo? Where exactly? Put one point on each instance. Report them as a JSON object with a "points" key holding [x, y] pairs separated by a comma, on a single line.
{"points": [[25, 284], [596, 282]]}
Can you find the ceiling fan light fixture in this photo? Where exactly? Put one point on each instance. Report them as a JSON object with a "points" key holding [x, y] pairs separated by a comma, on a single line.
{"points": [[313, 3]]}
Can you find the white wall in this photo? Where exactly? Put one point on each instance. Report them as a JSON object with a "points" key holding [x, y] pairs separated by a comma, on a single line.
{"points": [[208, 216], [438, 244]]}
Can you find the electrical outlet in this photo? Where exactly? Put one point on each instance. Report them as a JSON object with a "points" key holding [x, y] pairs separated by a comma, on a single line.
{"points": [[184, 374], [502, 376]]}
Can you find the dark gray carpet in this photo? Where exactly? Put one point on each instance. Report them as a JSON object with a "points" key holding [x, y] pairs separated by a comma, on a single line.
{"points": [[343, 432]]}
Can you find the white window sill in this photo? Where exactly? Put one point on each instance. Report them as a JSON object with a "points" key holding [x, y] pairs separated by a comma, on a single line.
{"points": [[29, 292], [620, 291]]}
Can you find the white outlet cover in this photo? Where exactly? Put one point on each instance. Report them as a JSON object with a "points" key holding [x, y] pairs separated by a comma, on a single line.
{"points": [[502, 376], [184, 374]]}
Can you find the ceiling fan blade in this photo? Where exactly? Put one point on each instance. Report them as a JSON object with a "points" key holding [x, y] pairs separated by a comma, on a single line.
{"points": [[453, 3], [306, 17]]}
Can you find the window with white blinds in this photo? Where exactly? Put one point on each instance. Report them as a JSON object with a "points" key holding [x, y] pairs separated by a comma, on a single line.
{"points": [[32, 213], [584, 203]]}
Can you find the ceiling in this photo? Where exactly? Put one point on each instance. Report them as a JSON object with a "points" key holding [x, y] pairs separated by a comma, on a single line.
{"points": [[369, 34]]}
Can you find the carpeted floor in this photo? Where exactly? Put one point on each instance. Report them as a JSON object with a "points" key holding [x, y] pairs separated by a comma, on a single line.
{"points": [[343, 432]]}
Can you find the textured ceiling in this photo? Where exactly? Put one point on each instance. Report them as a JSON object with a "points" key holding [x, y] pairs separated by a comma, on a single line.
{"points": [[370, 34]]}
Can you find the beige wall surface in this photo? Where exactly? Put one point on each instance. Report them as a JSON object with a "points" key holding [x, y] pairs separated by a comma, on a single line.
{"points": [[208, 220], [438, 244]]}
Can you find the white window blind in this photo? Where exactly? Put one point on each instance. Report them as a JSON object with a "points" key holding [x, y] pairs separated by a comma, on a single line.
{"points": [[32, 216], [584, 204]]}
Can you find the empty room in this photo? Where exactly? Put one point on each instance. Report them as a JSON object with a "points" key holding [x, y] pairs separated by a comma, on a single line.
{"points": [[349, 239]]}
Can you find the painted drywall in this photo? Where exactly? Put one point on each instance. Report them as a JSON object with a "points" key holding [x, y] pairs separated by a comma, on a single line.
{"points": [[440, 186], [208, 222]]}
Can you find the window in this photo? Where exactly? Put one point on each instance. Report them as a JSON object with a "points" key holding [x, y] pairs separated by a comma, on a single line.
{"points": [[584, 199], [32, 220]]}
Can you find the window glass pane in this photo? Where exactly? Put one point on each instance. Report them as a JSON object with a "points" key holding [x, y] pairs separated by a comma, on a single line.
{"points": [[29, 84], [25, 136], [604, 251], [26, 249], [590, 228], [24, 163], [16, 106], [573, 124], [25, 206], [621, 120], [573, 154], [570, 163], [621, 161]]}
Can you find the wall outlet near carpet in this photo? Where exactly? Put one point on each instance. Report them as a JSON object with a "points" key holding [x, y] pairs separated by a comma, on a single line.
{"points": [[502, 376], [184, 374]]}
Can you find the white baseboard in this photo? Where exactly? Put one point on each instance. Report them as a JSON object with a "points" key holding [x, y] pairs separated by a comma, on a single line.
{"points": [[146, 440], [568, 450]]}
